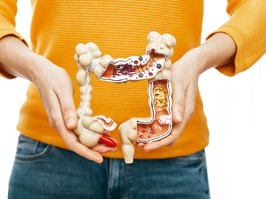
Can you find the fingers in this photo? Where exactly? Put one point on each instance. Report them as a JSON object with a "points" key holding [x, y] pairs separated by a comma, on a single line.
{"points": [[184, 104], [68, 109], [179, 104], [70, 139], [60, 105], [140, 144], [64, 93], [167, 141], [56, 89], [52, 107], [190, 101], [74, 145], [179, 89], [102, 148], [58, 101]]}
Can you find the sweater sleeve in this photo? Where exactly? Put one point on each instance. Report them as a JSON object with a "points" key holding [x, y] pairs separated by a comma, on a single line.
{"points": [[8, 10], [247, 27]]}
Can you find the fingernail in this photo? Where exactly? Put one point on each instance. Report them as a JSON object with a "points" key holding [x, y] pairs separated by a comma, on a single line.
{"points": [[70, 123], [99, 160], [178, 116]]}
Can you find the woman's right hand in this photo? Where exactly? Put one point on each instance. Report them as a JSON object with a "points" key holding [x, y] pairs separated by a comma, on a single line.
{"points": [[55, 88]]}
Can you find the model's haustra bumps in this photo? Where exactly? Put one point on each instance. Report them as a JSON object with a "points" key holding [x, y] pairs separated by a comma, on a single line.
{"points": [[154, 67]]}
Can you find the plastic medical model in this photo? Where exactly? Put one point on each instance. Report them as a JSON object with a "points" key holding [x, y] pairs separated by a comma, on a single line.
{"points": [[154, 67]]}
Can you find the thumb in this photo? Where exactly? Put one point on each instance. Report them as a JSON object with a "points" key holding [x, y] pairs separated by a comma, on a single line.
{"points": [[179, 103], [68, 110]]}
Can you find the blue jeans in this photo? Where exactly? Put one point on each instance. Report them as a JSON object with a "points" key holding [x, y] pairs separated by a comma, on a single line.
{"points": [[43, 171]]}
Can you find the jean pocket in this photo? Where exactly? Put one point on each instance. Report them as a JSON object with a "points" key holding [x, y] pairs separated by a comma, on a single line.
{"points": [[192, 159], [30, 150]]}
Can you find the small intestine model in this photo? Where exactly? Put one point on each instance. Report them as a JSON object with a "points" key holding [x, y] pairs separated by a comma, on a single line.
{"points": [[154, 67]]}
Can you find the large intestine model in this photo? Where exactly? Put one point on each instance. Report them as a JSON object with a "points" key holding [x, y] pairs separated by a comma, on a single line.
{"points": [[154, 66]]}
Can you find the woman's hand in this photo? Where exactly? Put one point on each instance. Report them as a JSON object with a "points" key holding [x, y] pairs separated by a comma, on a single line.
{"points": [[184, 79], [218, 50], [55, 88]]}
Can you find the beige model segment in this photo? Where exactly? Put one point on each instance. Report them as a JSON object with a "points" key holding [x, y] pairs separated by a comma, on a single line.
{"points": [[90, 128]]}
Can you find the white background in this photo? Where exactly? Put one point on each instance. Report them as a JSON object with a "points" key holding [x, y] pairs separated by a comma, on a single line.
{"points": [[235, 108]]}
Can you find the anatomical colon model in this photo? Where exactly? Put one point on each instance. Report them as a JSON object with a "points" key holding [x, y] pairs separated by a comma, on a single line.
{"points": [[154, 66]]}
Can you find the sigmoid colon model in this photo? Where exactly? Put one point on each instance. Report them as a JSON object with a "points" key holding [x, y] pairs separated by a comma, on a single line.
{"points": [[154, 67]]}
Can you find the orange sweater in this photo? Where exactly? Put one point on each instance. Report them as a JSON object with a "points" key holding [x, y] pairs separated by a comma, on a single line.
{"points": [[120, 28]]}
